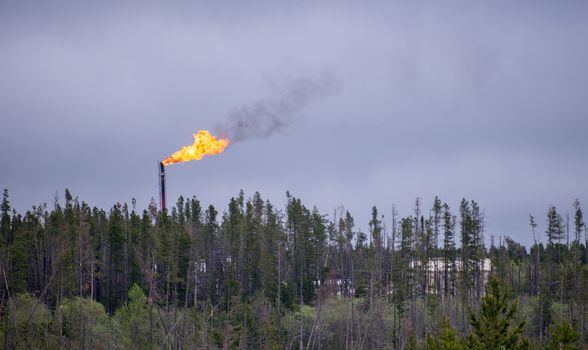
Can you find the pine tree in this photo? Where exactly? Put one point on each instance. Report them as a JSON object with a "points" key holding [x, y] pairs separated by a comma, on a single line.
{"points": [[210, 254], [254, 240], [233, 228], [315, 241], [578, 221], [494, 326], [375, 253], [564, 336], [348, 270], [555, 231], [405, 284], [446, 339], [577, 252], [268, 259], [19, 256], [449, 251], [5, 227], [132, 320], [437, 216], [472, 251], [467, 243]]}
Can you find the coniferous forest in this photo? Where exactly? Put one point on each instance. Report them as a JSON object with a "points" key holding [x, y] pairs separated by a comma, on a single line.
{"points": [[255, 276]]}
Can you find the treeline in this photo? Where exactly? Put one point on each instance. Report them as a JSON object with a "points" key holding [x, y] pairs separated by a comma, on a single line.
{"points": [[257, 276]]}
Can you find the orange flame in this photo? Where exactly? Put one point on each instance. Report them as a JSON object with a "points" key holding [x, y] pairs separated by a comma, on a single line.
{"points": [[204, 144]]}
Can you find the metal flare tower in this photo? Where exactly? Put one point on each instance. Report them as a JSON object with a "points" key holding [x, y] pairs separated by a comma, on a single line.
{"points": [[161, 167]]}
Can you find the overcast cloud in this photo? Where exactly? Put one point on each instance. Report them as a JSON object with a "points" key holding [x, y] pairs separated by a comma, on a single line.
{"points": [[483, 100]]}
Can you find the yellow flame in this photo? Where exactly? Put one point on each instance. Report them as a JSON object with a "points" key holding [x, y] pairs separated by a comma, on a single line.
{"points": [[204, 144]]}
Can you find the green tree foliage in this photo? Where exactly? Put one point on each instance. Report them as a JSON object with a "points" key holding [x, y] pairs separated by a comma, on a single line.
{"points": [[116, 254], [93, 331], [446, 339], [27, 322], [449, 251], [564, 336], [403, 283], [19, 253], [472, 248], [252, 275], [209, 265], [306, 235], [5, 226], [495, 325], [555, 228], [131, 321]]}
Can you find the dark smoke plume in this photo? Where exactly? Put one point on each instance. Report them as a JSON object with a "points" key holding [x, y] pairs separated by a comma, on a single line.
{"points": [[278, 112]]}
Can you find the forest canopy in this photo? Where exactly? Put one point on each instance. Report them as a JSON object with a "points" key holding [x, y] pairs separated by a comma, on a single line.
{"points": [[252, 275]]}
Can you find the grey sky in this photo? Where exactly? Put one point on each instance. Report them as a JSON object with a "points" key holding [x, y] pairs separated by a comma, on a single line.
{"points": [[483, 100]]}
